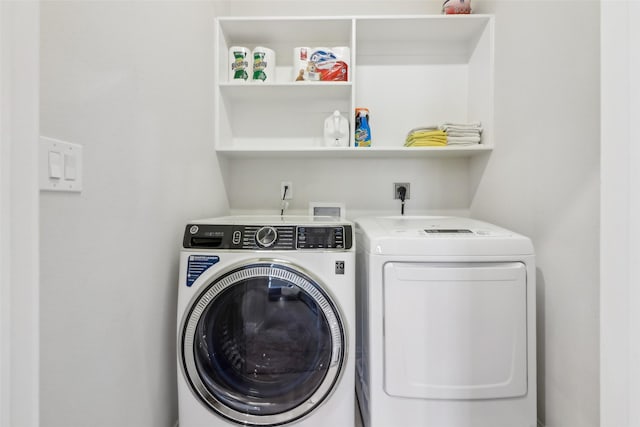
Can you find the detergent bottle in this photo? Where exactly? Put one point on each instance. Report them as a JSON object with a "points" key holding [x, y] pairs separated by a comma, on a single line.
{"points": [[336, 130], [363, 130]]}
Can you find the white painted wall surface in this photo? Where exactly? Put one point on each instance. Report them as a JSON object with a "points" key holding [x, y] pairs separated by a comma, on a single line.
{"points": [[543, 181], [327, 7], [363, 184], [634, 213], [620, 233], [19, 73], [130, 82]]}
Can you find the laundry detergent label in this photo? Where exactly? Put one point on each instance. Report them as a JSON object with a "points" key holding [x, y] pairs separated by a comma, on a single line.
{"points": [[197, 265]]}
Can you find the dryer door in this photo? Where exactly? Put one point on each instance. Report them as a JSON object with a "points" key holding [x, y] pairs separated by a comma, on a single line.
{"points": [[455, 330], [263, 344]]}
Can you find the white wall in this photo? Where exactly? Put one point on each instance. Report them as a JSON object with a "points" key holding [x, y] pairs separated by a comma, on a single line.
{"points": [[131, 82], [620, 233], [541, 180], [328, 7], [544, 181], [19, 29], [365, 185]]}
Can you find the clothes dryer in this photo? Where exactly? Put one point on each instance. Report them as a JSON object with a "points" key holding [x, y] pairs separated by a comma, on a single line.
{"points": [[266, 316], [446, 324]]}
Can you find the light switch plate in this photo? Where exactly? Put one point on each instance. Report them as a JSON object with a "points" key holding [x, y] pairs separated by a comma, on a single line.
{"points": [[67, 158]]}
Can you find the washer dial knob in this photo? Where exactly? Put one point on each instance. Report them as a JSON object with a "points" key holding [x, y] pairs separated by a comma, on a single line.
{"points": [[266, 237]]}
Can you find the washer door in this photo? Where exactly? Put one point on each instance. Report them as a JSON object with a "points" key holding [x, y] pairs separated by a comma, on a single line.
{"points": [[263, 344]]}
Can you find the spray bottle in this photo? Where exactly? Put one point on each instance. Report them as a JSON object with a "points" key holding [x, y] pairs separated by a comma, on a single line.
{"points": [[362, 131]]}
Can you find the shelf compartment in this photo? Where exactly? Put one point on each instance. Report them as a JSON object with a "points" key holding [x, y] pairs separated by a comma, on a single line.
{"points": [[282, 35], [421, 71], [440, 39], [286, 32], [256, 117]]}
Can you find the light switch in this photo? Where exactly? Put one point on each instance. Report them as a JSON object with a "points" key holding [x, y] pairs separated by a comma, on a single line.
{"points": [[60, 165], [70, 167], [55, 165]]}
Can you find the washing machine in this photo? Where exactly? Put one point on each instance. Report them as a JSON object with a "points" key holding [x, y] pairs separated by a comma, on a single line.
{"points": [[446, 323], [266, 322]]}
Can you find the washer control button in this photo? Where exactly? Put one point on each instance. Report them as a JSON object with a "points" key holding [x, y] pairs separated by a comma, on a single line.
{"points": [[237, 237]]}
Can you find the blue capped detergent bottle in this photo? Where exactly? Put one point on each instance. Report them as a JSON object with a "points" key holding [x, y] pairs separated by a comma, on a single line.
{"points": [[362, 129]]}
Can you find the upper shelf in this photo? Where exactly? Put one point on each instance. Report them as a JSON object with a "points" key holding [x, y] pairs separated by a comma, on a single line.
{"points": [[428, 29], [433, 39], [445, 38], [279, 30]]}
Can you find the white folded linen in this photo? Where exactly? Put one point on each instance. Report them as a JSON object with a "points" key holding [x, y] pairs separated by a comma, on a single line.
{"points": [[462, 134], [471, 125], [423, 129], [461, 127], [452, 140]]}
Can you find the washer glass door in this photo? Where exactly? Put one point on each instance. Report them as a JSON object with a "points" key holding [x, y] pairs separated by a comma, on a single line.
{"points": [[263, 344]]}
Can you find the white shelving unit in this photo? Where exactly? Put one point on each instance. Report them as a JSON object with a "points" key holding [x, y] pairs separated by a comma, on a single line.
{"points": [[409, 71], [354, 152]]}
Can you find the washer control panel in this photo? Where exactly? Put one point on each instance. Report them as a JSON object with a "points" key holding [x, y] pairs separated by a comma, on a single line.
{"points": [[321, 237], [269, 237]]}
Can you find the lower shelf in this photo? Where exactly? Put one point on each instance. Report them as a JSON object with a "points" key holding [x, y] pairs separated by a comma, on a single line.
{"points": [[356, 152]]}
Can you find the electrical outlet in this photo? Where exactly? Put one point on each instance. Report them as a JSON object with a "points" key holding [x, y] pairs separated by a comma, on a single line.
{"points": [[397, 185], [289, 194]]}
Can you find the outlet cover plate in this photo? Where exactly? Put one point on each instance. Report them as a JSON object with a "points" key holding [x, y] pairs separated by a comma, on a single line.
{"points": [[397, 185]]}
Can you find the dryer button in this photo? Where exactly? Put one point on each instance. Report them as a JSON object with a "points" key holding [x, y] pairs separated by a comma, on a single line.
{"points": [[237, 237]]}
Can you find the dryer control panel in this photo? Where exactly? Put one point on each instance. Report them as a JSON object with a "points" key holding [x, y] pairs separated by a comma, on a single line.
{"points": [[268, 237]]}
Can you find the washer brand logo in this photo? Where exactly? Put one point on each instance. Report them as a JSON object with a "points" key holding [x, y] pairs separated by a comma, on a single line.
{"points": [[339, 267], [198, 264]]}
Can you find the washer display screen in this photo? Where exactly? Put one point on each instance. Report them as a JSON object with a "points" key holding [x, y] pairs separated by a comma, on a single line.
{"points": [[320, 237]]}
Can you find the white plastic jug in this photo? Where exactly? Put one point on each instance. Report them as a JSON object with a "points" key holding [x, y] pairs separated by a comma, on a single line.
{"points": [[336, 130]]}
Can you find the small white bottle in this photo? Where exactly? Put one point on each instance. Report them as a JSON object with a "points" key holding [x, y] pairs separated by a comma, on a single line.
{"points": [[336, 130]]}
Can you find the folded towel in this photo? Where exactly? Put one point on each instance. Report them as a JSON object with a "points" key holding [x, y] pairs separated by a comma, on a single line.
{"points": [[420, 128], [461, 127], [463, 134], [445, 134], [426, 143], [452, 140], [470, 125], [426, 137], [429, 134]]}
